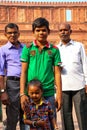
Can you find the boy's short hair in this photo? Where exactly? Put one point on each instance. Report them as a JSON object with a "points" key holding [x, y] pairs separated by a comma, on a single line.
{"points": [[11, 25], [39, 22], [35, 82]]}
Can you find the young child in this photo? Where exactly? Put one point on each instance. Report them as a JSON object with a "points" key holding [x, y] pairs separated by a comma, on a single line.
{"points": [[38, 112]]}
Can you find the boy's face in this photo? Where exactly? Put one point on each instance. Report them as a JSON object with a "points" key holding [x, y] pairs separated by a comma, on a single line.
{"points": [[35, 93], [41, 34], [12, 35]]}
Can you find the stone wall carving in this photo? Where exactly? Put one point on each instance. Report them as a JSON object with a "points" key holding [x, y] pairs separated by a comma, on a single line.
{"points": [[23, 13]]}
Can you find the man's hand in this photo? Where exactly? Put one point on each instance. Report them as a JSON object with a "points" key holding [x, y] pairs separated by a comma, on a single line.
{"points": [[5, 98]]}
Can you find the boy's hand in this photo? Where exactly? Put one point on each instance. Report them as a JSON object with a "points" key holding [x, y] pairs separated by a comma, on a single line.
{"points": [[58, 101], [23, 100]]}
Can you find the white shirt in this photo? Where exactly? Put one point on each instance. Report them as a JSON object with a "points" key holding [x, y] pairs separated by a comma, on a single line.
{"points": [[74, 62]]}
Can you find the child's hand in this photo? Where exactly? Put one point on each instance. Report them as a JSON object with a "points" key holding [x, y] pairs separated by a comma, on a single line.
{"points": [[41, 123]]}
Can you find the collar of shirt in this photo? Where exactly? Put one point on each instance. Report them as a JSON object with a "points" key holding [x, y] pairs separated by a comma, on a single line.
{"points": [[47, 45], [10, 45], [42, 101], [70, 42]]}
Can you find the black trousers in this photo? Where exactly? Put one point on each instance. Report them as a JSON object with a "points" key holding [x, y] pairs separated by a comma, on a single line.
{"points": [[13, 109], [79, 99]]}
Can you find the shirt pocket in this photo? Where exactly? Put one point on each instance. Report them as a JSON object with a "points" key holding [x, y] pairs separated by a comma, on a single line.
{"points": [[76, 58], [13, 56]]}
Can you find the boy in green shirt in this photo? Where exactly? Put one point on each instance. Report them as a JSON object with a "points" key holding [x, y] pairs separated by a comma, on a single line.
{"points": [[41, 60]]}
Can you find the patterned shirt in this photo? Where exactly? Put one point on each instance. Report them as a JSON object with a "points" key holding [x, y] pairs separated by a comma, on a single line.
{"points": [[43, 111]]}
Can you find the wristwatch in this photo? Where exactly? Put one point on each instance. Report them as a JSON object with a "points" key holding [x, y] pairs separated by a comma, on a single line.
{"points": [[2, 90]]}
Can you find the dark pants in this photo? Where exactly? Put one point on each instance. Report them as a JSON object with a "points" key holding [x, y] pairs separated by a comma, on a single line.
{"points": [[80, 102], [0, 111], [13, 110]]}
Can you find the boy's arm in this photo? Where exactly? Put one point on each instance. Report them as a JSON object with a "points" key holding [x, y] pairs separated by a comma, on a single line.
{"points": [[23, 97], [57, 74]]}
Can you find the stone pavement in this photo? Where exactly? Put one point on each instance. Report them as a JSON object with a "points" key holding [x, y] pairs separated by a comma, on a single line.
{"points": [[58, 119]]}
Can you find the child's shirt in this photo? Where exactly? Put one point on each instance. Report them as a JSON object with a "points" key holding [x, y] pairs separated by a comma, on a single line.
{"points": [[42, 111]]}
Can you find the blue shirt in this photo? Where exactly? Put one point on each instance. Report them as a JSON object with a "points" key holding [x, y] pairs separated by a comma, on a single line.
{"points": [[10, 64]]}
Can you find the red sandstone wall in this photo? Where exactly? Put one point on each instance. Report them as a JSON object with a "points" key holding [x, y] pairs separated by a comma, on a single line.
{"points": [[23, 13]]}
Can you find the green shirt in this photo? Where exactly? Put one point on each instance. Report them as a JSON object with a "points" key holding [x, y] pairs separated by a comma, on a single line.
{"points": [[40, 65]]}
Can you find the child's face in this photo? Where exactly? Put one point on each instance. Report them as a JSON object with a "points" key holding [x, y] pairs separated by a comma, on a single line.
{"points": [[35, 93], [41, 34]]}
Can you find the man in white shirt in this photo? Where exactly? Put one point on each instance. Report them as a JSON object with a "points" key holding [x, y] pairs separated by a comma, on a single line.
{"points": [[74, 79]]}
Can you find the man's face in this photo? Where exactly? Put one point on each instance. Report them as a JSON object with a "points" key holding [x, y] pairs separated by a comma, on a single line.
{"points": [[64, 33], [41, 34], [12, 35]]}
